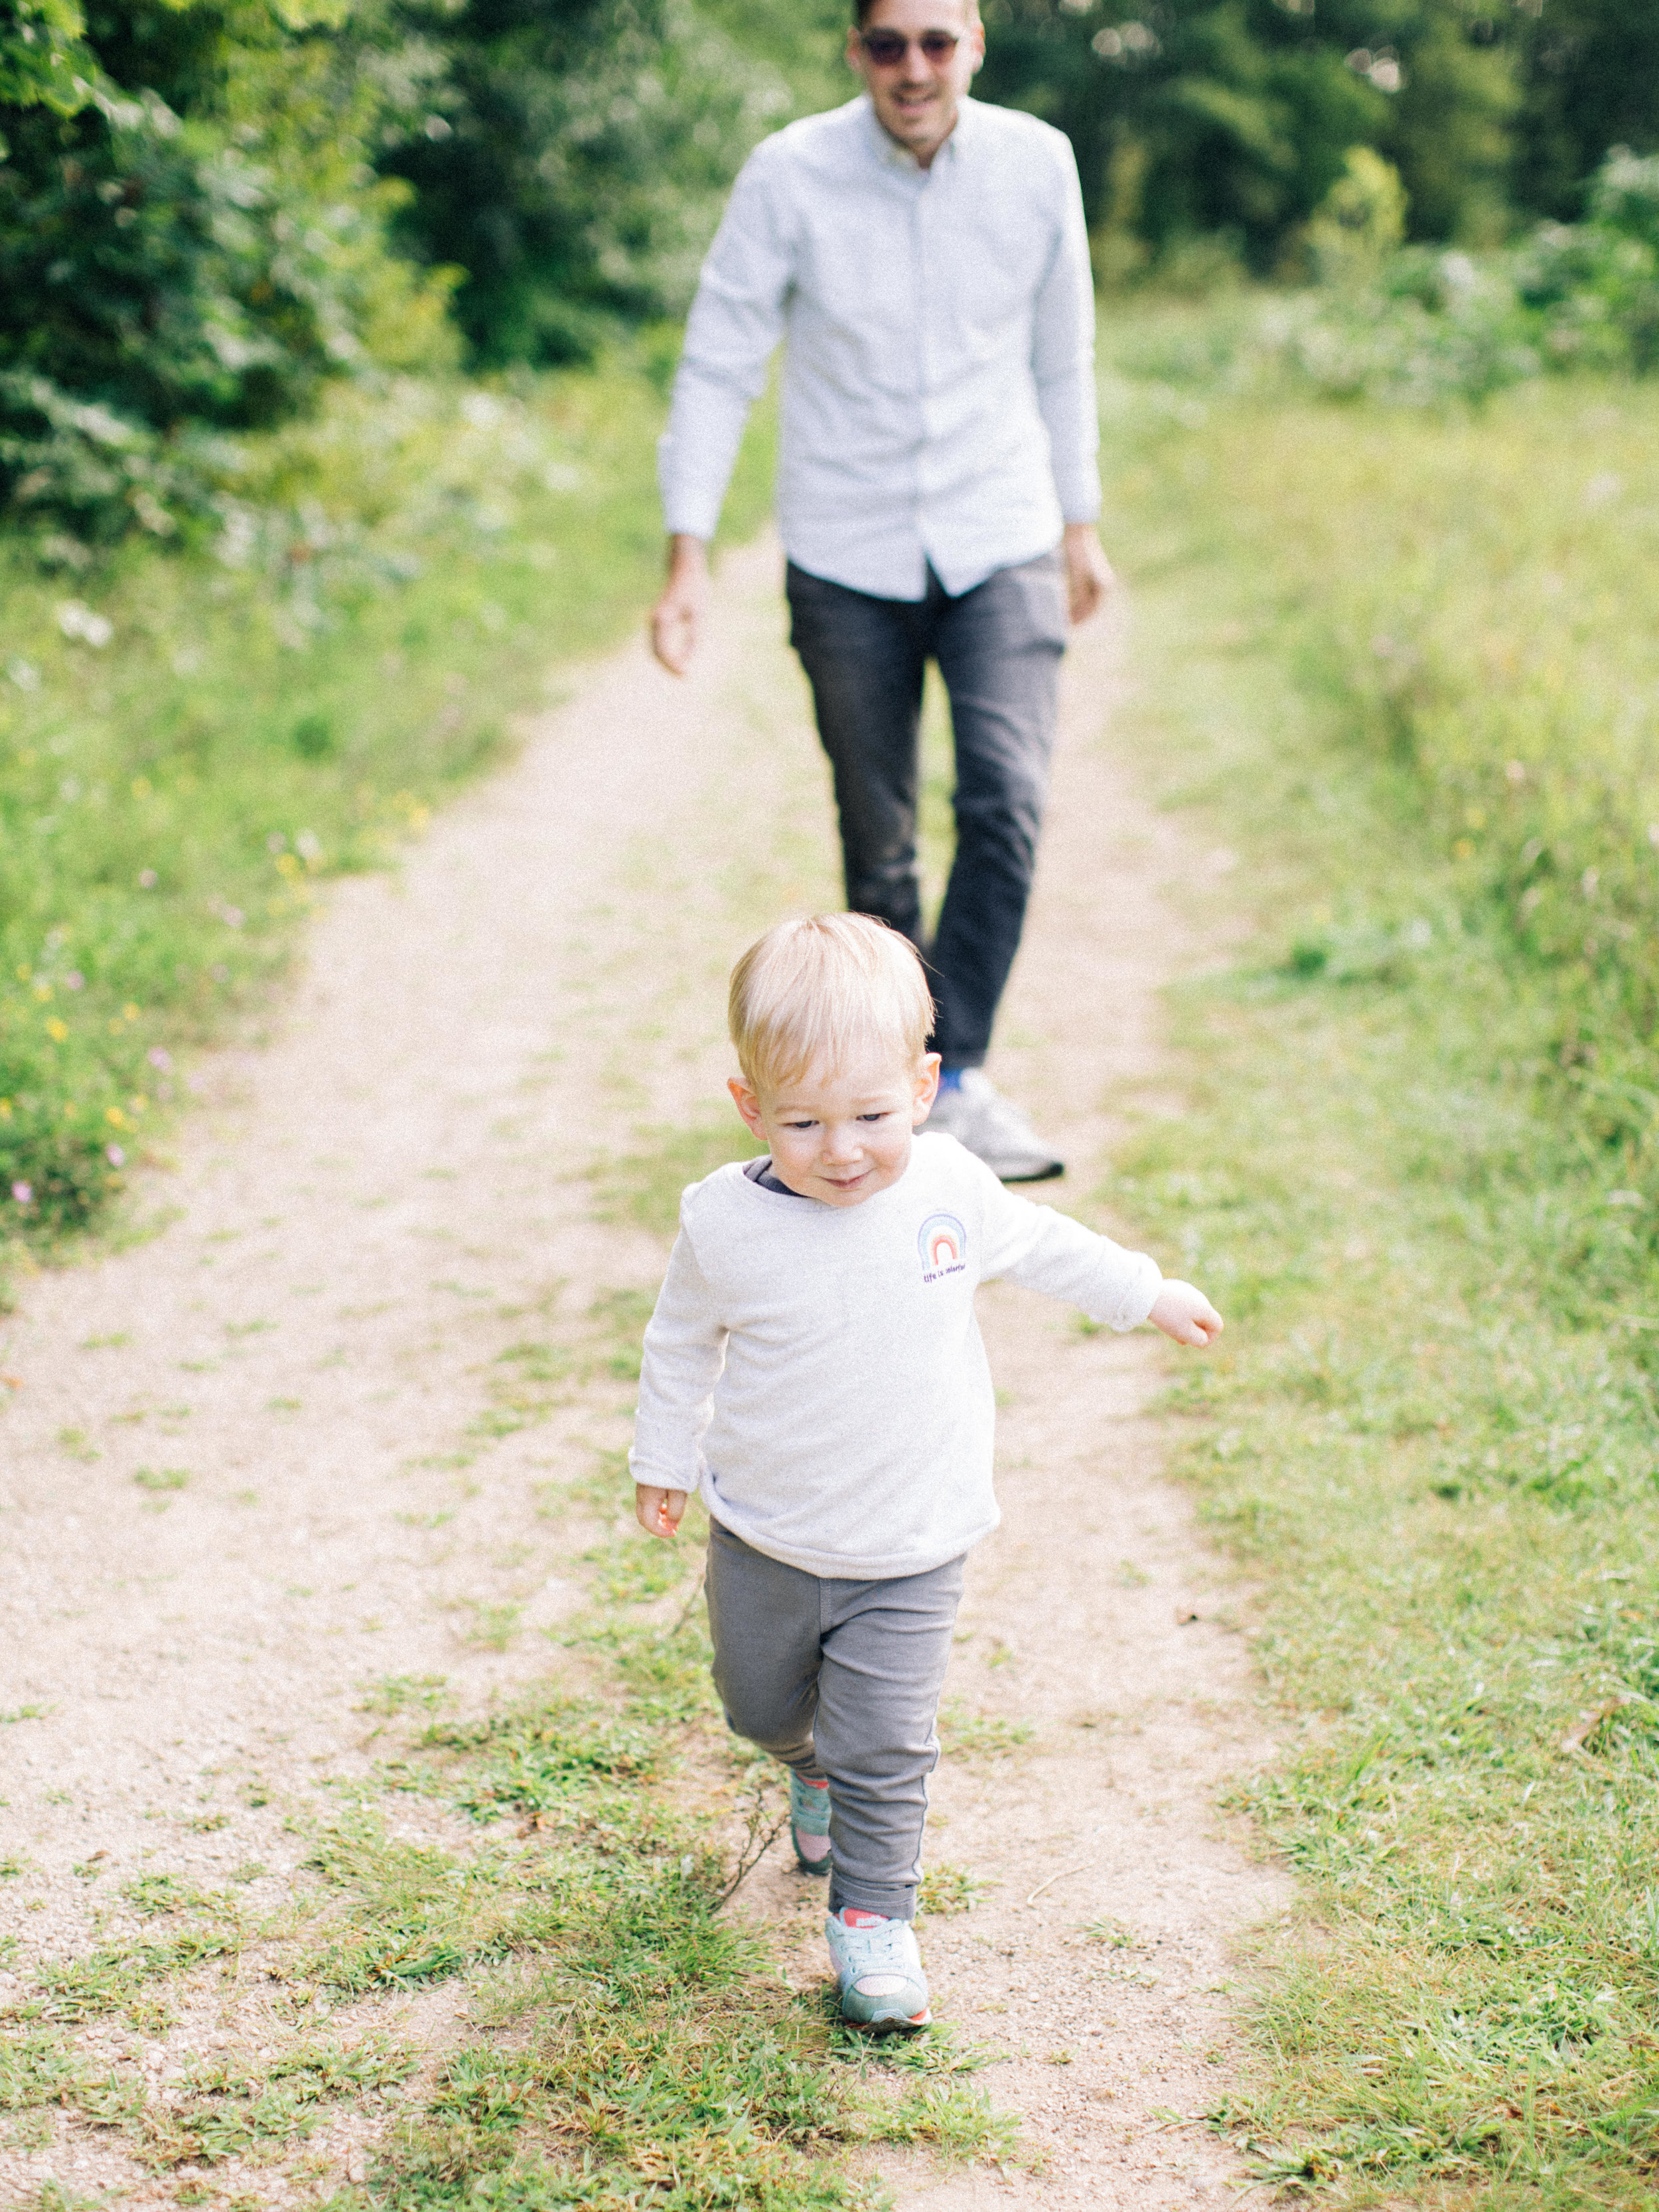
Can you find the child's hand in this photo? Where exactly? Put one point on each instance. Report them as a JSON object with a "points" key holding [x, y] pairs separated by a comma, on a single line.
{"points": [[658, 1511], [1186, 1315]]}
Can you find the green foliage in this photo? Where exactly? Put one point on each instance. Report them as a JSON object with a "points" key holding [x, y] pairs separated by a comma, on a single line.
{"points": [[1589, 82], [193, 241], [1425, 328], [195, 247], [1361, 222], [44, 59], [803, 40], [1234, 118], [1407, 663], [572, 163]]}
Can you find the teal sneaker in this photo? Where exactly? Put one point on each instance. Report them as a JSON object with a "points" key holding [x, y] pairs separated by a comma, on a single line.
{"points": [[809, 1824], [877, 1970]]}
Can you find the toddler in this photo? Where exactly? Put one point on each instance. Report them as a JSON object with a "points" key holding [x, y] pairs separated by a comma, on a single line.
{"points": [[814, 1370]]}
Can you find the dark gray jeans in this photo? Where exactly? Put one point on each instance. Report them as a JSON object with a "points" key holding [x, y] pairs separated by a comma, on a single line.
{"points": [[998, 649], [841, 1681]]}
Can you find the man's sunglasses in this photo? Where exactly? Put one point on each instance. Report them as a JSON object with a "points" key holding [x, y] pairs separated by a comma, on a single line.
{"points": [[887, 49]]}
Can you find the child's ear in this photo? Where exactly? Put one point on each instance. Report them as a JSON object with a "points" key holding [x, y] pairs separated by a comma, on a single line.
{"points": [[927, 1086], [747, 1102]]}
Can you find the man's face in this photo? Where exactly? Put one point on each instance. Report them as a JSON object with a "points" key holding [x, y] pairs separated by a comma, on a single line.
{"points": [[915, 92]]}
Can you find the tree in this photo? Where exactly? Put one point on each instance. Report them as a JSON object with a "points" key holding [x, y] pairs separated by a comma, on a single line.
{"points": [[191, 240], [44, 61], [573, 162], [1197, 116], [1591, 80]]}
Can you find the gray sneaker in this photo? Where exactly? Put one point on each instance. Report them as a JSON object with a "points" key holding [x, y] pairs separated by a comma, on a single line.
{"points": [[980, 1117]]}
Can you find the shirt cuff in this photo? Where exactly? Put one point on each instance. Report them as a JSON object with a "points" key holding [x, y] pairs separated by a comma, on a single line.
{"points": [[1136, 1306], [688, 509], [1077, 486]]}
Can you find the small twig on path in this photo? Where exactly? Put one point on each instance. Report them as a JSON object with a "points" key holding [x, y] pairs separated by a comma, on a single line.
{"points": [[685, 1611], [1053, 1878], [755, 1846]]}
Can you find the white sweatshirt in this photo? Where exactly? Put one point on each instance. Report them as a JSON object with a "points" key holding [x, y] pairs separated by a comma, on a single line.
{"points": [[816, 1372]]}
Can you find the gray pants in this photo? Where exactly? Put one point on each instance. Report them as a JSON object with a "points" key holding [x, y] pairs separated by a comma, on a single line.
{"points": [[998, 648], [841, 1681]]}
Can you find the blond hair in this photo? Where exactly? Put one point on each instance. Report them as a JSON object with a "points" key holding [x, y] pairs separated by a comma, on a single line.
{"points": [[826, 993]]}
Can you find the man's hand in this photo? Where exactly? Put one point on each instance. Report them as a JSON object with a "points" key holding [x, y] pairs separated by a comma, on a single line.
{"points": [[678, 615], [1184, 1314], [658, 1511], [1088, 572]]}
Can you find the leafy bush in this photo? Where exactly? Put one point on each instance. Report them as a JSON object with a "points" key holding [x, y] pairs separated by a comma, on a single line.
{"points": [[197, 247], [1596, 286], [573, 162], [44, 61], [1422, 326]]}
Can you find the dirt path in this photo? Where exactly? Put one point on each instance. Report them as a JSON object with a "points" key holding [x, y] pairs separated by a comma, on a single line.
{"points": [[269, 1455]]}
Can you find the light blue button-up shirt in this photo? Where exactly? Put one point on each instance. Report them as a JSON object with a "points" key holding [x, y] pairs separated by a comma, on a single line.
{"points": [[938, 393]]}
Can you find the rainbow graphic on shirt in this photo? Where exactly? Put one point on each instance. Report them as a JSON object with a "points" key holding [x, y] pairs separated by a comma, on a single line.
{"points": [[943, 1243]]}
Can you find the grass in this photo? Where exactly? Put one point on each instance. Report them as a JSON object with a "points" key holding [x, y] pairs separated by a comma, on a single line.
{"points": [[188, 747], [625, 2034], [947, 1889], [644, 1186], [969, 1735], [562, 1863], [1404, 665]]}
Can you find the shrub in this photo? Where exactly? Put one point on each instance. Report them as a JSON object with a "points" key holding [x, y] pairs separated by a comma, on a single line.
{"points": [[1423, 327], [197, 247], [572, 164]]}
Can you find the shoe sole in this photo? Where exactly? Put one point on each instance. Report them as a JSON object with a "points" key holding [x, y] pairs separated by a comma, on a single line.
{"points": [[891, 2023]]}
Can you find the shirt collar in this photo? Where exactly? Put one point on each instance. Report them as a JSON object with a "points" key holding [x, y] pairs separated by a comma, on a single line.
{"points": [[892, 155]]}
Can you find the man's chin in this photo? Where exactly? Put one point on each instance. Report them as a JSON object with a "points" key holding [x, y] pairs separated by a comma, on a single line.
{"points": [[919, 127]]}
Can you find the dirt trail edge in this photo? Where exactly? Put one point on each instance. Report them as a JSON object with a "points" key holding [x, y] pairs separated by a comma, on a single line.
{"points": [[273, 1454]]}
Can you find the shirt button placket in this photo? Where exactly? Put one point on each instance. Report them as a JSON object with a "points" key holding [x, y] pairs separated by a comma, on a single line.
{"points": [[920, 228]]}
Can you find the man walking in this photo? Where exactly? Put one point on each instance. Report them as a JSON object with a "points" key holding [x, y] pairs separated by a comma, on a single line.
{"points": [[925, 256]]}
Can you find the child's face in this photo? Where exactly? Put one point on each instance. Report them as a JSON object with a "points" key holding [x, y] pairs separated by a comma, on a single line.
{"points": [[839, 1136]]}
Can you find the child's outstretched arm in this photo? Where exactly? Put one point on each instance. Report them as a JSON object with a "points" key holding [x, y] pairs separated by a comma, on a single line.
{"points": [[1186, 1315], [1050, 1252]]}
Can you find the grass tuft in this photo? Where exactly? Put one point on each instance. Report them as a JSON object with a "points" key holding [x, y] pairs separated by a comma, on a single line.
{"points": [[644, 1187]]}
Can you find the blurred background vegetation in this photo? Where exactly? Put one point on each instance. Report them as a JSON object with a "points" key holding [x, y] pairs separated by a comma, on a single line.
{"points": [[333, 334], [210, 209]]}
